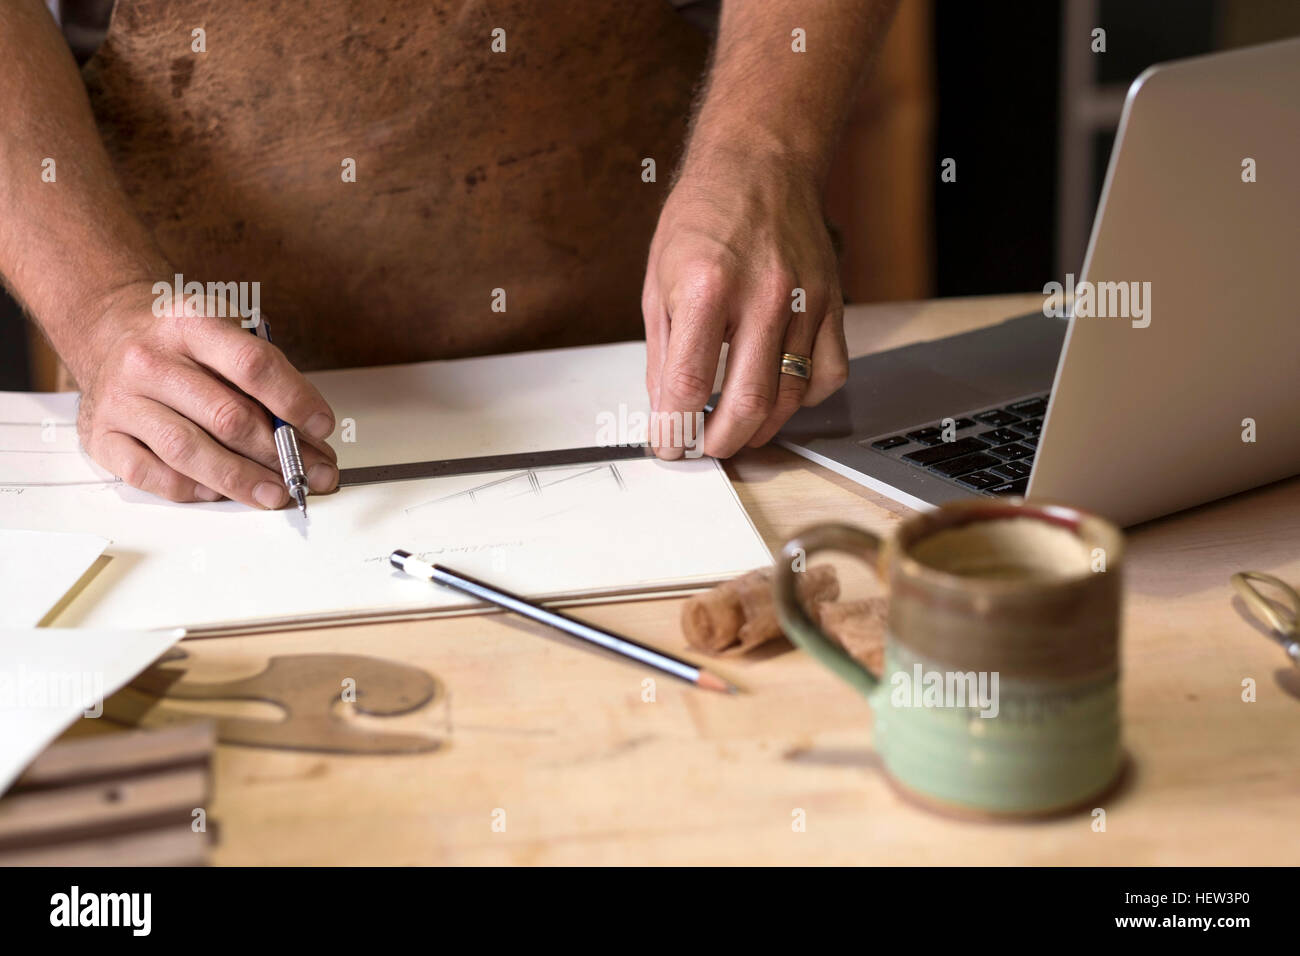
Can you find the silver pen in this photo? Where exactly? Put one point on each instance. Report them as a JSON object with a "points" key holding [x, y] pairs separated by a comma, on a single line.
{"points": [[286, 441]]}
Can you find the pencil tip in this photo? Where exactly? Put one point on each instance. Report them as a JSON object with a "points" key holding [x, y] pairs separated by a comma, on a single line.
{"points": [[713, 682]]}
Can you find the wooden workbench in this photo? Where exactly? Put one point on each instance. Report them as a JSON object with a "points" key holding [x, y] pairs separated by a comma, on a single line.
{"points": [[589, 773]]}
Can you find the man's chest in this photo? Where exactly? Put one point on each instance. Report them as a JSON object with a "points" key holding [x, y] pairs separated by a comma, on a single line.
{"points": [[401, 158]]}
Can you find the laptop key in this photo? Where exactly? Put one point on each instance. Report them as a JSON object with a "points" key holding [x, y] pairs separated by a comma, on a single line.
{"points": [[945, 450], [960, 423], [1014, 469], [1031, 442], [999, 436], [1011, 451], [891, 442], [1032, 427], [1029, 408], [1016, 487], [997, 418], [926, 436], [979, 480], [959, 466]]}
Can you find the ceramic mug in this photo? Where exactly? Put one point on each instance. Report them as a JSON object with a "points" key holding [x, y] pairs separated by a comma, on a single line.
{"points": [[1000, 689]]}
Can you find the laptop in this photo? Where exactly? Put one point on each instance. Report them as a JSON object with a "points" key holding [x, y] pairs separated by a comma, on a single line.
{"points": [[1173, 380]]}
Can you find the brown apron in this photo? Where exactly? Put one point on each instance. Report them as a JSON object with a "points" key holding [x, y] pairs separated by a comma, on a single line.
{"points": [[475, 170]]}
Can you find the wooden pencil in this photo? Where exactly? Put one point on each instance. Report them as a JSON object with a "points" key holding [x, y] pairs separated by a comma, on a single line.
{"points": [[439, 574]]}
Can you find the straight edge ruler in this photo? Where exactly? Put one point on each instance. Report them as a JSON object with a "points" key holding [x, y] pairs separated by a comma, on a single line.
{"points": [[521, 461]]}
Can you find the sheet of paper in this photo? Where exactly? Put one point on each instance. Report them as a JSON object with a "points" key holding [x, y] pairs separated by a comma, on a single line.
{"points": [[593, 530], [498, 404], [49, 677], [37, 568]]}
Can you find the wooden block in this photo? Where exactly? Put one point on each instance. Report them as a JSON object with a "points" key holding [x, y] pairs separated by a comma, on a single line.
{"points": [[119, 753], [118, 798], [173, 846]]}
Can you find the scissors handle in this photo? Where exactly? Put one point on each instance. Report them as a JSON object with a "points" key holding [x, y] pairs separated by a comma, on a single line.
{"points": [[1268, 610]]}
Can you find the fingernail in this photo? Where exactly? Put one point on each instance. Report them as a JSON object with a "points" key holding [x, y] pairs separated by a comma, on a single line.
{"points": [[269, 495], [320, 425], [321, 477], [204, 493]]}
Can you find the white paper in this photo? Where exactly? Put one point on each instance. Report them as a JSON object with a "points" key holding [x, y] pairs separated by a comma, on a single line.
{"points": [[499, 404], [49, 677], [592, 530], [37, 568]]}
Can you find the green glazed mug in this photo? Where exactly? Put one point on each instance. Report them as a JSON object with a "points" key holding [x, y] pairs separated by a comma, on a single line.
{"points": [[999, 695]]}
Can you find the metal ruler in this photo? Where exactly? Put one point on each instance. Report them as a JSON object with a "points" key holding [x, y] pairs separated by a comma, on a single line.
{"points": [[523, 461]]}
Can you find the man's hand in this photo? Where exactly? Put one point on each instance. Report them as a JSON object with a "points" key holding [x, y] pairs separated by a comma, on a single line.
{"points": [[165, 406], [741, 243], [165, 400], [741, 255]]}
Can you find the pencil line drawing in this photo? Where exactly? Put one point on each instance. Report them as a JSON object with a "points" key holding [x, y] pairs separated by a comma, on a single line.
{"points": [[536, 484]]}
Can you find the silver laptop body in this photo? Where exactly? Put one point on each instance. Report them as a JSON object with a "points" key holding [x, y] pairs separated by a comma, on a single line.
{"points": [[1177, 373]]}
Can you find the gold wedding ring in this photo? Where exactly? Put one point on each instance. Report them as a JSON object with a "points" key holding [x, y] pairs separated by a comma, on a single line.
{"points": [[799, 366]]}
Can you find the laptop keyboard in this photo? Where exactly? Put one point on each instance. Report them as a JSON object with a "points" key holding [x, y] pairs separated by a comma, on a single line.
{"points": [[990, 451]]}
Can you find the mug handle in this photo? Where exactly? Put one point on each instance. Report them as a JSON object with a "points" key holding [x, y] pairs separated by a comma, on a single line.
{"points": [[796, 623]]}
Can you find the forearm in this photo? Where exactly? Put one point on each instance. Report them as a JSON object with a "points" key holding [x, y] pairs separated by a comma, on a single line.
{"points": [[66, 245], [764, 99]]}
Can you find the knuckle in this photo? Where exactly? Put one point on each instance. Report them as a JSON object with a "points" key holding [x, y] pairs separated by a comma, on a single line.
{"points": [[710, 274], [138, 360], [689, 386], [833, 371], [232, 421], [177, 488], [231, 482], [175, 443], [135, 472], [253, 359], [778, 284], [703, 288], [752, 406]]}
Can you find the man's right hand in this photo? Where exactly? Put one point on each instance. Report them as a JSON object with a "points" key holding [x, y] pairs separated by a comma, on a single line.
{"points": [[165, 406]]}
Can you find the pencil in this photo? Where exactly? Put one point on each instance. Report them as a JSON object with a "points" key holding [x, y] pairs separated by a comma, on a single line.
{"points": [[437, 573], [286, 441]]}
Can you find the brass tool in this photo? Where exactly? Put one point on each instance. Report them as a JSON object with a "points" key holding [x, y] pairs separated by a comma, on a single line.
{"points": [[310, 689], [1282, 620]]}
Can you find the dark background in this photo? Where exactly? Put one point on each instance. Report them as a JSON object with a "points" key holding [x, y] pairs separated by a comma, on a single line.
{"points": [[998, 107]]}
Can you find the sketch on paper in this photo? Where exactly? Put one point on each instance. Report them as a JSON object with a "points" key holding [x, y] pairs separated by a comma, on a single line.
{"points": [[567, 531], [534, 483]]}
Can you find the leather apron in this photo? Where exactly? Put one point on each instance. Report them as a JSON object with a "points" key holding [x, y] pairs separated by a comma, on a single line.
{"points": [[475, 170]]}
